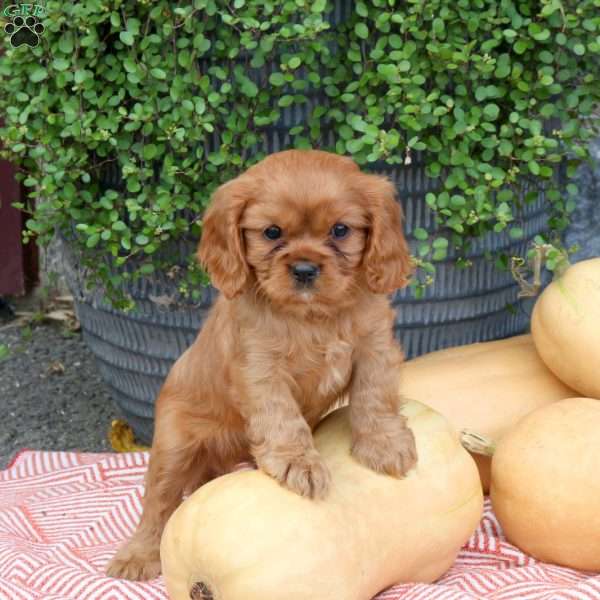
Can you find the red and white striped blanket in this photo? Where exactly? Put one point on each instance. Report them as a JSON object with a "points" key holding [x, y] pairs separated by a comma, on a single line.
{"points": [[62, 515]]}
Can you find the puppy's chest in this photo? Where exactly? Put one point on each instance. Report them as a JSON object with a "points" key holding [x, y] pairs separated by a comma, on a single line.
{"points": [[321, 367]]}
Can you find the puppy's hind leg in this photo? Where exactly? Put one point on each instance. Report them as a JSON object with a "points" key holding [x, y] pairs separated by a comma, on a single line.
{"points": [[176, 459], [221, 453]]}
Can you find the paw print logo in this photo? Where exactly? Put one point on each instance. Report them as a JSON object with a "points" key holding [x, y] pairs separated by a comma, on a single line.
{"points": [[24, 30]]}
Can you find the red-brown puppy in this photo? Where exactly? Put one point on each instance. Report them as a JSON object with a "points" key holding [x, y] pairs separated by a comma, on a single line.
{"points": [[304, 248]]}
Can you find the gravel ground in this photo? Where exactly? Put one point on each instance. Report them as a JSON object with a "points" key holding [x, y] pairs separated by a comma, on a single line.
{"points": [[43, 407]]}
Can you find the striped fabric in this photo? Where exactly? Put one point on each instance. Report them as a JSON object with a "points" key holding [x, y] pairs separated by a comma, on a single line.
{"points": [[62, 515]]}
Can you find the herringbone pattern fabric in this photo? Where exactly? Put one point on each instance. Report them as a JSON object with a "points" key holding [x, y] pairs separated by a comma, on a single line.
{"points": [[62, 515]]}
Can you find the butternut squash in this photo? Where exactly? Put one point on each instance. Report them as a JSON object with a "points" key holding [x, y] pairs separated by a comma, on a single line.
{"points": [[565, 325], [243, 536], [545, 486], [485, 387]]}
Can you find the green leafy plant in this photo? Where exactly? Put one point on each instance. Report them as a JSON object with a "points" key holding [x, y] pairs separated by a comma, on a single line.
{"points": [[498, 94], [128, 115]]}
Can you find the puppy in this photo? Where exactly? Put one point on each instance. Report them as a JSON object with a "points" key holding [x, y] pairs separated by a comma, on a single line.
{"points": [[304, 248]]}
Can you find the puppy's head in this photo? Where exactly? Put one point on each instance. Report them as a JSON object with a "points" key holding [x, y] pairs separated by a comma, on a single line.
{"points": [[306, 229]]}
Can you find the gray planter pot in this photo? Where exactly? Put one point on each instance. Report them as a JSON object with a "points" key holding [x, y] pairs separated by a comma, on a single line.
{"points": [[584, 230], [135, 350]]}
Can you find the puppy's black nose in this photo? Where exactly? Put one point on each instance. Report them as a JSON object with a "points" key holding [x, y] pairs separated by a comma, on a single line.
{"points": [[304, 272]]}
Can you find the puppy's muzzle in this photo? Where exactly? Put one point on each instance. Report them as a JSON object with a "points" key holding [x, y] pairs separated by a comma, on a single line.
{"points": [[304, 272]]}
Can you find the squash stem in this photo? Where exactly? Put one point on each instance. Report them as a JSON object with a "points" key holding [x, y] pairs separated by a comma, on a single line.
{"points": [[476, 443]]}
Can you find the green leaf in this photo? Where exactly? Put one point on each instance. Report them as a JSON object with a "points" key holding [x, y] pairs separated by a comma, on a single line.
{"points": [[60, 64], [423, 248], [439, 254], [361, 30], [505, 195], [538, 32], [286, 100], [65, 43], [491, 111], [550, 8], [126, 37], [158, 73], [277, 79], [438, 26], [149, 151], [130, 65], [249, 88], [201, 43], [93, 240], [434, 169], [81, 75], [516, 233], [520, 46], [395, 41], [133, 25], [420, 233], [505, 148], [119, 226], [38, 74], [216, 158], [147, 269], [503, 66], [361, 9], [481, 93], [388, 72], [457, 201]]}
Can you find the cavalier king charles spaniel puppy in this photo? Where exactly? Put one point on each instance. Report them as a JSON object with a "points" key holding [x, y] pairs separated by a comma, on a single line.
{"points": [[304, 249]]}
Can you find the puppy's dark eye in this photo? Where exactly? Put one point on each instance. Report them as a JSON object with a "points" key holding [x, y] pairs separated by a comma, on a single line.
{"points": [[272, 233], [339, 231]]}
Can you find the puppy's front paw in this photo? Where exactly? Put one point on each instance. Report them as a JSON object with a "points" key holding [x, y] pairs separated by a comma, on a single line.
{"points": [[305, 474], [135, 564], [384, 453]]}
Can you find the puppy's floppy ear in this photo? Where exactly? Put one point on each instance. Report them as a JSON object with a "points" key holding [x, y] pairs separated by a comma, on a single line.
{"points": [[221, 249], [387, 260]]}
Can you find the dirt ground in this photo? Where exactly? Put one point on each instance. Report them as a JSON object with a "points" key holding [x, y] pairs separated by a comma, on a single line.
{"points": [[51, 394]]}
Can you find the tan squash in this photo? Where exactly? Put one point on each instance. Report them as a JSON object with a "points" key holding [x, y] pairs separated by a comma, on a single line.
{"points": [[546, 484], [244, 537], [485, 387], [565, 325]]}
